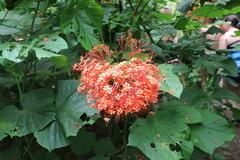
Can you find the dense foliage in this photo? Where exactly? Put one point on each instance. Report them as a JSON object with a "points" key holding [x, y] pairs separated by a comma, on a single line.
{"points": [[44, 114]]}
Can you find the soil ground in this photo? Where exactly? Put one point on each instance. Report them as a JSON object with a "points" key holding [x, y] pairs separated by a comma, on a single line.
{"points": [[232, 147]]}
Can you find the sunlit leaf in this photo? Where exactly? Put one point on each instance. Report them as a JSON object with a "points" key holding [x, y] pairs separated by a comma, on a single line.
{"points": [[172, 83]]}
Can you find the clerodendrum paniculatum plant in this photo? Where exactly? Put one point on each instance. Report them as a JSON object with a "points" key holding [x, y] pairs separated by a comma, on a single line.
{"points": [[121, 101]]}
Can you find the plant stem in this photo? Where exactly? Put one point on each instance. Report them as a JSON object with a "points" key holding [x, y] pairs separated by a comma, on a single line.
{"points": [[130, 3], [8, 100], [136, 9], [25, 77], [28, 145], [125, 137], [34, 17], [19, 88]]}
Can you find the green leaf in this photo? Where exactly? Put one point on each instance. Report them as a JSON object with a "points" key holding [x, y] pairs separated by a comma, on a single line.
{"points": [[154, 135], [180, 69], [186, 147], [51, 137], [189, 114], [211, 133], [51, 42], [83, 23], [196, 98], [13, 55], [61, 61], [42, 153], [82, 4], [2, 4], [208, 11], [214, 29], [40, 53], [163, 16], [83, 142], [181, 25], [84, 30], [184, 6], [2, 135], [70, 106], [172, 83], [12, 153], [104, 146], [99, 158], [4, 30], [36, 114], [212, 65], [95, 13], [223, 93]]}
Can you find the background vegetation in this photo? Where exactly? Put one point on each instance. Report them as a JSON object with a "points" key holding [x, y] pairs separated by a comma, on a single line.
{"points": [[42, 116]]}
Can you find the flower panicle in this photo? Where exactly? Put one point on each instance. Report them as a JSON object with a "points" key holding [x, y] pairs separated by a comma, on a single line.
{"points": [[118, 89]]}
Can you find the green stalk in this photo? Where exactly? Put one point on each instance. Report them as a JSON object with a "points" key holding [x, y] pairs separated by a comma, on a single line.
{"points": [[35, 15], [19, 88], [125, 137], [136, 9], [27, 147], [8, 100], [25, 77]]}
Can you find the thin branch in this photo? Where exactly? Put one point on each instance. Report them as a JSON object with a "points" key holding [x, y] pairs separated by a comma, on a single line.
{"points": [[35, 15]]}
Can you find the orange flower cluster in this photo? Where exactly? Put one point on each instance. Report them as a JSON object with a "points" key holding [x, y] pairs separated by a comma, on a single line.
{"points": [[120, 88]]}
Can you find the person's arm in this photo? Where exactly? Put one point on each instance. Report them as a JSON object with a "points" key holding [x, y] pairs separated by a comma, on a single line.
{"points": [[222, 44]]}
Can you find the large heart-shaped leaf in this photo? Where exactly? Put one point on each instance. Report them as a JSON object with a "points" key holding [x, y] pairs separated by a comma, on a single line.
{"points": [[70, 106], [211, 133], [51, 137], [154, 135], [37, 112], [172, 83]]}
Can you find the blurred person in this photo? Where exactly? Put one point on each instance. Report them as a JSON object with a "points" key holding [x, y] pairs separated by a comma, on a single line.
{"points": [[168, 10], [208, 23], [227, 41]]}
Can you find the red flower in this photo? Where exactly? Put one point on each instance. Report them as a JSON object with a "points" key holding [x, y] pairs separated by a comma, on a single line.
{"points": [[121, 88]]}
